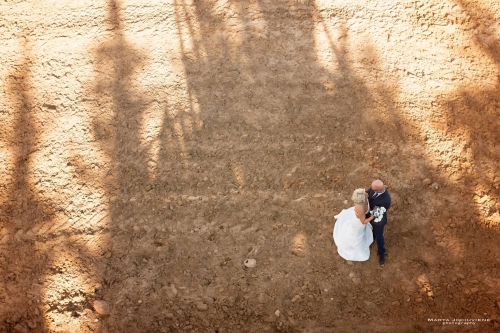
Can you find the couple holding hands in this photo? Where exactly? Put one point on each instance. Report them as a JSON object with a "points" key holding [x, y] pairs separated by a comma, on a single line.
{"points": [[358, 226]]}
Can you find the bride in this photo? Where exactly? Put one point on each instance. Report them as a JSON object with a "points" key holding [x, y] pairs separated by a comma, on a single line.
{"points": [[353, 232]]}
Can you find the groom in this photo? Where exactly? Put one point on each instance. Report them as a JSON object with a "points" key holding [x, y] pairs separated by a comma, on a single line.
{"points": [[378, 196]]}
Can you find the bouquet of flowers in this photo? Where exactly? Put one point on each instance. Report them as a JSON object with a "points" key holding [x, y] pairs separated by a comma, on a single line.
{"points": [[378, 213]]}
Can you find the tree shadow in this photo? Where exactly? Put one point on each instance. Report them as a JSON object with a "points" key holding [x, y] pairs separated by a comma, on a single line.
{"points": [[471, 119], [24, 264], [295, 128], [244, 166]]}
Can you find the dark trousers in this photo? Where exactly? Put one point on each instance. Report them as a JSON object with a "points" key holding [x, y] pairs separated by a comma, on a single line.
{"points": [[378, 235]]}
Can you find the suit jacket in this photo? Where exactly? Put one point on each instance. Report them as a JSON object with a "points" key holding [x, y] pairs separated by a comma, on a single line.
{"points": [[383, 200]]}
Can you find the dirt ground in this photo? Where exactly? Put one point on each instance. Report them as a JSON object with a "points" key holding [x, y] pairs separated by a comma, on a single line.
{"points": [[149, 147]]}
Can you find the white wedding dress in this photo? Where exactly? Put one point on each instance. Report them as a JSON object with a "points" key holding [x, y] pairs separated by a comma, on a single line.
{"points": [[352, 238]]}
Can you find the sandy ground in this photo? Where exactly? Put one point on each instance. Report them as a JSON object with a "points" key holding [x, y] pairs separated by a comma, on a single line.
{"points": [[148, 148]]}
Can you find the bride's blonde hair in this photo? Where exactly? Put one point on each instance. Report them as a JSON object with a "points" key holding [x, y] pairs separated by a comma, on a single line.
{"points": [[358, 196]]}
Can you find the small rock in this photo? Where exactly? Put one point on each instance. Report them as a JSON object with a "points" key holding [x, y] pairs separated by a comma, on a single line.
{"points": [[174, 290], [418, 299], [201, 306], [277, 313], [4, 239], [295, 298], [352, 275], [435, 186], [19, 234], [250, 263], [37, 312], [426, 181], [102, 307], [107, 255], [474, 290], [350, 263], [20, 328], [208, 300], [263, 298], [31, 324], [396, 303], [452, 225]]}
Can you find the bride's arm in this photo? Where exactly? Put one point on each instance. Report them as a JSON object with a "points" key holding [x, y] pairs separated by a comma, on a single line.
{"points": [[360, 214]]}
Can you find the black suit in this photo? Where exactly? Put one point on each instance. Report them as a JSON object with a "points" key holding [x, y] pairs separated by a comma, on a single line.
{"points": [[383, 200]]}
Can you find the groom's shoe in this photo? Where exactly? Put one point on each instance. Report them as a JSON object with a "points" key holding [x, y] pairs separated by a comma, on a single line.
{"points": [[381, 259]]}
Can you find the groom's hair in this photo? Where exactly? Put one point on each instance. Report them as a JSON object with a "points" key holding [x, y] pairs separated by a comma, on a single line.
{"points": [[358, 196]]}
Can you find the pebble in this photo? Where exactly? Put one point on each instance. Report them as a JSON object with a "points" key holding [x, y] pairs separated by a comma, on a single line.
{"points": [[474, 290], [277, 313], [263, 298], [174, 290], [31, 324], [295, 298], [102, 307], [426, 181], [208, 300], [250, 263], [201, 306], [396, 303], [20, 328], [435, 186]]}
